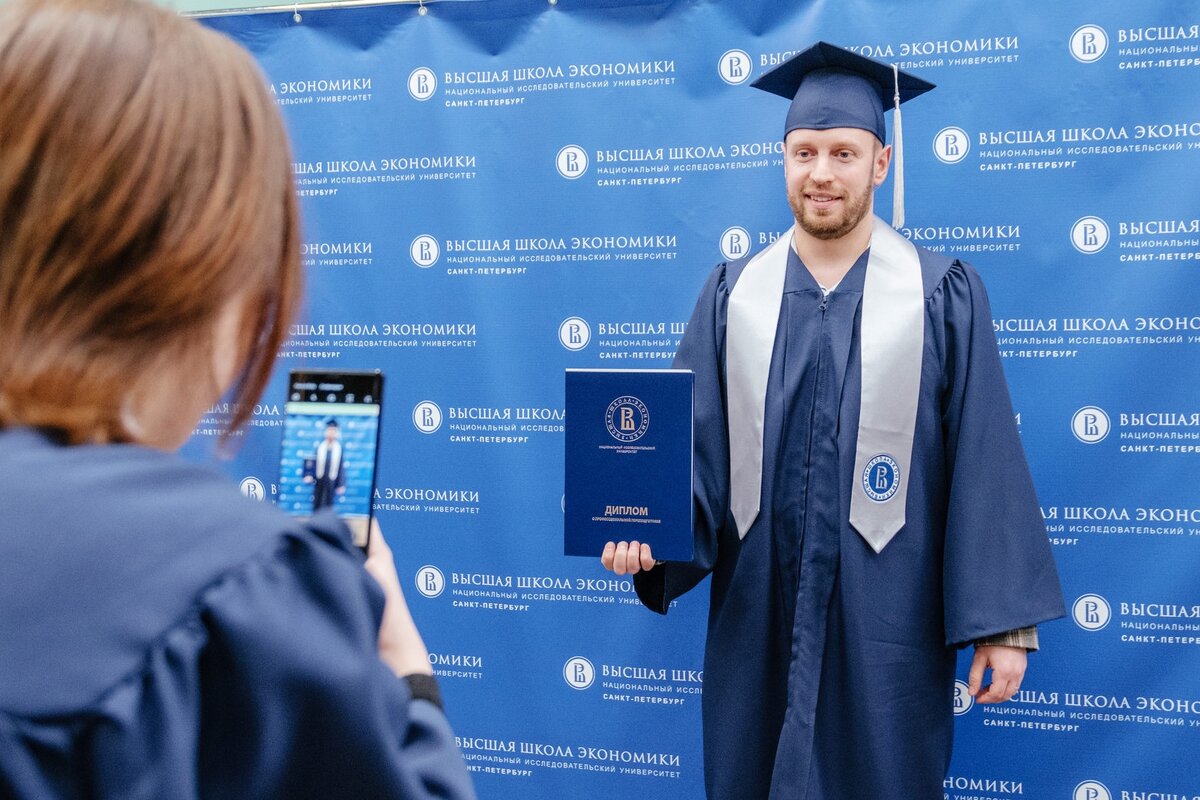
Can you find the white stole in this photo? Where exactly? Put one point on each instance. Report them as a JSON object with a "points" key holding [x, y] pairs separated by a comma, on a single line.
{"points": [[891, 337], [335, 462]]}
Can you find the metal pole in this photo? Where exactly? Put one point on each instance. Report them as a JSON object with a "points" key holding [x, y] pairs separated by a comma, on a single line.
{"points": [[298, 6]]}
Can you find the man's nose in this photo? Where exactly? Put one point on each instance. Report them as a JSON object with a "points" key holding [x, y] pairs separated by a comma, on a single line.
{"points": [[822, 171]]}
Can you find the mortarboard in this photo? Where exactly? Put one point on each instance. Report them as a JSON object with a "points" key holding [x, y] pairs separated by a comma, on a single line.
{"points": [[831, 87]]}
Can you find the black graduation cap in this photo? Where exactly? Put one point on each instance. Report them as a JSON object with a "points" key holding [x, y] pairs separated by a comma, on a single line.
{"points": [[831, 87]]}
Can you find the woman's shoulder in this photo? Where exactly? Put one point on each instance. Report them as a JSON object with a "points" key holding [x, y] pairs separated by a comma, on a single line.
{"points": [[115, 550]]}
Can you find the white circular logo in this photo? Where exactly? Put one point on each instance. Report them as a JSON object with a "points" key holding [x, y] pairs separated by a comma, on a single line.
{"points": [[427, 416], [574, 333], [424, 251], [951, 145], [735, 67], [1091, 790], [571, 161], [735, 243], [962, 698], [627, 419], [1089, 43], [430, 581], [881, 478], [579, 673], [1089, 235], [1091, 612], [1090, 424], [422, 83], [253, 488]]}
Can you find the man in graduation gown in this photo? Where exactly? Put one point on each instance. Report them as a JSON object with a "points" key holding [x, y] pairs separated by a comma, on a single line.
{"points": [[863, 503], [329, 477]]}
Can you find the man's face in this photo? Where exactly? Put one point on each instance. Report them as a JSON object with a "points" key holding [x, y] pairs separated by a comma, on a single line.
{"points": [[331, 434], [831, 177]]}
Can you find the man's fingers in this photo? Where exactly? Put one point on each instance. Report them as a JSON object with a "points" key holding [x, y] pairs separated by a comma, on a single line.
{"points": [[975, 680], [621, 557], [627, 558], [610, 552], [647, 557], [633, 562], [995, 692]]}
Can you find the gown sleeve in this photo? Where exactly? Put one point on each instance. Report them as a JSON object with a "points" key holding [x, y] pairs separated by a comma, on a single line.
{"points": [[702, 350], [272, 687], [998, 572]]}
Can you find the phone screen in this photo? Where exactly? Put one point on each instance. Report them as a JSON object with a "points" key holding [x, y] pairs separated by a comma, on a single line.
{"points": [[330, 444]]}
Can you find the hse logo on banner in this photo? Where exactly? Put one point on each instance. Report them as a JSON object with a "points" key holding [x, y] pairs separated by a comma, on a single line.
{"points": [[579, 673], [253, 488], [962, 698], [1089, 235], [1091, 612], [1091, 790], [735, 243], [493, 425], [422, 83], [1089, 43], [951, 145], [424, 251], [1090, 424], [427, 416], [574, 333], [735, 67], [571, 162], [430, 581]]}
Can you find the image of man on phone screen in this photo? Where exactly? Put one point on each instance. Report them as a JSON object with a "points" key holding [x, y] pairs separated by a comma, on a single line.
{"points": [[329, 477]]}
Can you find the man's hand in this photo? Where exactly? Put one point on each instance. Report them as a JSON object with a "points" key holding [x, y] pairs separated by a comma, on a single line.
{"points": [[627, 557], [1008, 668]]}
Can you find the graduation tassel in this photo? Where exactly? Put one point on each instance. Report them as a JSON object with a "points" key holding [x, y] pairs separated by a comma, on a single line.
{"points": [[898, 141]]}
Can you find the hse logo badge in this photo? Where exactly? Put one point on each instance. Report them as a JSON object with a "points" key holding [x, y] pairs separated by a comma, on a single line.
{"points": [[422, 83], [1091, 790], [430, 581], [735, 67], [574, 333], [627, 419], [1089, 43], [253, 488], [1090, 424], [427, 416], [951, 145], [881, 478], [1091, 612], [424, 251], [571, 162], [962, 698], [735, 243], [1089, 235], [579, 673]]}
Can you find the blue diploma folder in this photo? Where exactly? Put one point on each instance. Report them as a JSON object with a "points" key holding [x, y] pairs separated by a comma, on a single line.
{"points": [[629, 461]]}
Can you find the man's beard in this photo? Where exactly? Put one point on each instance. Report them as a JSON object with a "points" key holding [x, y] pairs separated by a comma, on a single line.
{"points": [[832, 227]]}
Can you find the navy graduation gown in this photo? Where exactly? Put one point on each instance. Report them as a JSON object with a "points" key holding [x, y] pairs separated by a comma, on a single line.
{"points": [[162, 636], [829, 668]]}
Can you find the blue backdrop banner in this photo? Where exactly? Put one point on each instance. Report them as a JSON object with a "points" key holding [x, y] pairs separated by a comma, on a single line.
{"points": [[497, 190]]}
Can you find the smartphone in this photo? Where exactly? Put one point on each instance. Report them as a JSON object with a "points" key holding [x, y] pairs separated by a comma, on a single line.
{"points": [[331, 446]]}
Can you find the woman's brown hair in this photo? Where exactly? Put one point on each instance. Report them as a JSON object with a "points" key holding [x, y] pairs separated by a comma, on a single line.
{"points": [[145, 185]]}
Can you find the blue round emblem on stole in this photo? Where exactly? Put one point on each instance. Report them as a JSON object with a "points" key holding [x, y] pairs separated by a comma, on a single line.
{"points": [[881, 478]]}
